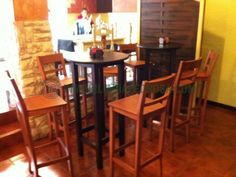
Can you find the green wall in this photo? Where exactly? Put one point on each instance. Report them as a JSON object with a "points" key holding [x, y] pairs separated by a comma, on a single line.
{"points": [[219, 33]]}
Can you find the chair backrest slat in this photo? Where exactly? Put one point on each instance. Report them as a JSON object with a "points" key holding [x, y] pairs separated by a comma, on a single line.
{"points": [[156, 101], [187, 70], [55, 63], [160, 86], [210, 62]]}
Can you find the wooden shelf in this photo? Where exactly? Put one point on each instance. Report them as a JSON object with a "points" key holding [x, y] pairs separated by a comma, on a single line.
{"points": [[9, 129]]}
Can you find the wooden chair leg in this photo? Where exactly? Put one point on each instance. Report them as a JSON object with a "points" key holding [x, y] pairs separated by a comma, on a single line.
{"points": [[187, 132], [50, 124], [175, 112], [151, 129], [66, 139], [179, 101], [62, 92], [30, 168], [36, 171], [189, 112], [203, 108], [84, 99], [172, 140], [57, 132], [135, 76], [161, 167], [67, 99], [112, 143], [138, 148], [199, 102]]}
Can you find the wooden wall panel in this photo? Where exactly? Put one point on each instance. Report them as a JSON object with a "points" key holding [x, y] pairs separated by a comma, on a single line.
{"points": [[104, 6], [177, 19], [30, 10]]}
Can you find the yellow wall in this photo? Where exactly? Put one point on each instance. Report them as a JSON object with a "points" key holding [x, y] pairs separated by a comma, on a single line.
{"points": [[220, 34]]}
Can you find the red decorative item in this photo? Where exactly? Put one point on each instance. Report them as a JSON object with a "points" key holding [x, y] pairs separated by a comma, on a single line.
{"points": [[96, 52]]}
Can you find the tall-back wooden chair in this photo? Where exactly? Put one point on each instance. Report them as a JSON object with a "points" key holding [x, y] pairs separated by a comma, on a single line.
{"points": [[204, 79], [39, 105], [53, 71], [183, 85], [137, 108]]}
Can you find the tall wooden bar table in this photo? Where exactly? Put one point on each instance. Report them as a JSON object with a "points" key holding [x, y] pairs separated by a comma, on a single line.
{"points": [[168, 48], [83, 59]]}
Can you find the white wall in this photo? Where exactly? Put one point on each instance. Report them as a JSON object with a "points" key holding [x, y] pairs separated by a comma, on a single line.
{"points": [[8, 48], [8, 43]]}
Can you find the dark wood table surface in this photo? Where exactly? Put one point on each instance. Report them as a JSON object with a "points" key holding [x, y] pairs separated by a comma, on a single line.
{"points": [[170, 48], [83, 59]]}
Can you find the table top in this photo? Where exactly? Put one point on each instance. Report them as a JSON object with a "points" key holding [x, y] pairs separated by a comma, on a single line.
{"points": [[156, 46], [109, 57]]}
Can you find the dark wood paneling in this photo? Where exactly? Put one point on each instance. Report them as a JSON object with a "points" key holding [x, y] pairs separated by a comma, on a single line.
{"points": [[104, 5], [177, 19]]}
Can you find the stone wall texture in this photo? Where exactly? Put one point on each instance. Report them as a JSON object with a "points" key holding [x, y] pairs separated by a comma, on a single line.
{"points": [[34, 39]]}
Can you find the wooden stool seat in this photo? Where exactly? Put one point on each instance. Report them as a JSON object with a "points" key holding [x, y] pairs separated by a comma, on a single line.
{"points": [[37, 103], [135, 63], [185, 82], [37, 106], [137, 108], [110, 71], [202, 75], [128, 106]]}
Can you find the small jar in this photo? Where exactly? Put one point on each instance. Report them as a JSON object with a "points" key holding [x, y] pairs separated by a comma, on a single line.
{"points": [[167, 40], [161, 40]]}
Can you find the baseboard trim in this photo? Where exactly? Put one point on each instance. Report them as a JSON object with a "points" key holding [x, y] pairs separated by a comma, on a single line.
{"points": [[221, 105]]}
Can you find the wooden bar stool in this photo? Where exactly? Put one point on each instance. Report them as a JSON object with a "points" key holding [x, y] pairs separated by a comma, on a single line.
{"points": [[52, 69], [183, 85], [204, 79], [134, 61], [39, 105], [138, 107]]}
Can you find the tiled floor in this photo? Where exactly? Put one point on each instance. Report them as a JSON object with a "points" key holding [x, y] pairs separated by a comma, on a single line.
{"points": [[210, 155]]}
